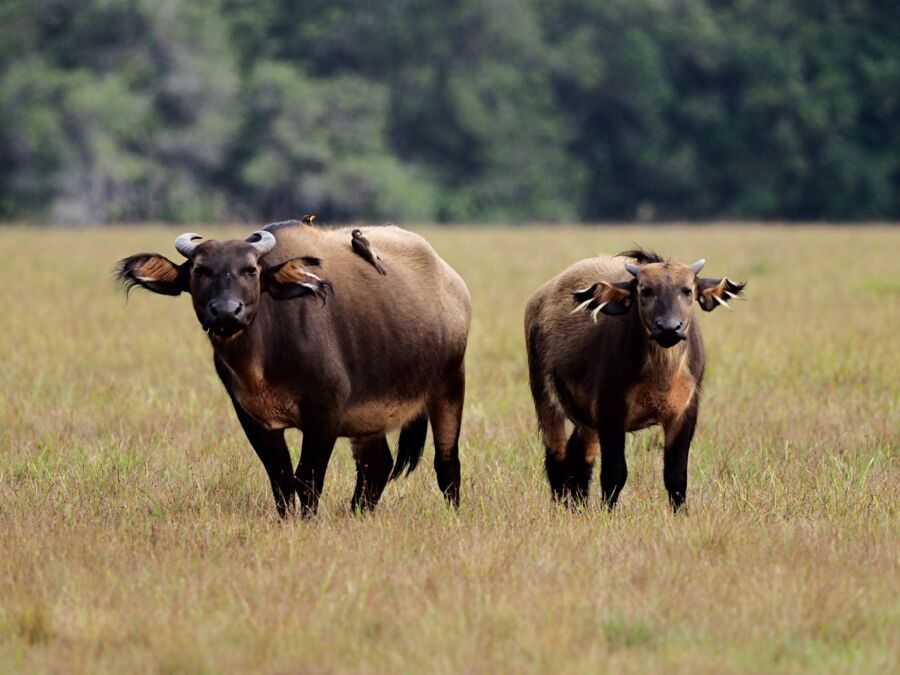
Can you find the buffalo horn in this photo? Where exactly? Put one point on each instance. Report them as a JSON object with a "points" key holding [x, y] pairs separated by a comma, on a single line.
{"points": [[634, 270], [185, 244], [262, 241], [697, 266]]}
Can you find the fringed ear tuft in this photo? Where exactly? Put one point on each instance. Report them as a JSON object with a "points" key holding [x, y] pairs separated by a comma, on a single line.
{"points": [[152, 271], [715, 292], [584, 297], [292, 280], [612, 299]]}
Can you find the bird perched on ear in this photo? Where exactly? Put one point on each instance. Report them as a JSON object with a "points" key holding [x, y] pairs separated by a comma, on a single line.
{"points": [[364, 250], [309, 219]]}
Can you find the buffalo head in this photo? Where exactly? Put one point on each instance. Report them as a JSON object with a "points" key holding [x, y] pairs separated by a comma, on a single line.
{"points": [[661, 292], [224, 278]]}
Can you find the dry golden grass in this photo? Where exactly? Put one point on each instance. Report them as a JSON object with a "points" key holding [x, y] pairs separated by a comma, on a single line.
{"points": [[137, 531]]}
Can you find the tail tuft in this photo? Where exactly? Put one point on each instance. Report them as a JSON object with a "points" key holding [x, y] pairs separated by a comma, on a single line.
{"points": [[410, 445]]}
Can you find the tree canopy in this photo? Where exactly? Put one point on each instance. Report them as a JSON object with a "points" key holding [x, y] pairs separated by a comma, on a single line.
{"points": [[448, 110]]}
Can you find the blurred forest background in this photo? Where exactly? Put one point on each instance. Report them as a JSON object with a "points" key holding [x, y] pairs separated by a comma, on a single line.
{"points": [[463, 110]]}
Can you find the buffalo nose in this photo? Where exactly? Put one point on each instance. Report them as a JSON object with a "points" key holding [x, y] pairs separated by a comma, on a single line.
{"points": [[668, 325], [226, 308]]}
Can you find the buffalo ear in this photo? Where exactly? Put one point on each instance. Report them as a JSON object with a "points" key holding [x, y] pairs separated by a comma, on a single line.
{"points": [[154, 272], [291, 279], [613, 299], [714, 292]]}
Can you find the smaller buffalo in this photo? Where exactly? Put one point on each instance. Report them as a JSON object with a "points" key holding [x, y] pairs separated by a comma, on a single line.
{"points": [[613, 347]]}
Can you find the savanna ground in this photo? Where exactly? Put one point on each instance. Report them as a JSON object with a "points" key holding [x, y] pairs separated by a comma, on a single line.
{"points": [[137, 531]]}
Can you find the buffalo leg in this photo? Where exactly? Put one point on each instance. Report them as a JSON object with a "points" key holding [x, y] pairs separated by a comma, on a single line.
{"points": [[613, 469], [445, 411], [553, 431], [314, 458], [276, 458], [373, 468], [581, 451], [675, 461]]}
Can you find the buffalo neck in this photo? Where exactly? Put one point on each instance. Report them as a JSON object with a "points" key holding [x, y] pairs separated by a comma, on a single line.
{"points": [[244, 354], [651, 359], [661, 362]]}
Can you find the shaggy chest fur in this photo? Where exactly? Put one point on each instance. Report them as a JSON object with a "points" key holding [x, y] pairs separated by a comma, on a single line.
{"points": [[267, 404], [663, 391]]}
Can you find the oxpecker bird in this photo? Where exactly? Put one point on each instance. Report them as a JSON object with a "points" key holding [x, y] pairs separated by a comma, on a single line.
{"points": [[364, 250], [309, 219]]}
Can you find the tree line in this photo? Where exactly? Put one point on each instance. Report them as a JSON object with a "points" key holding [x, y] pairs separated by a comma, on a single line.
{"points": [[448, 110]]}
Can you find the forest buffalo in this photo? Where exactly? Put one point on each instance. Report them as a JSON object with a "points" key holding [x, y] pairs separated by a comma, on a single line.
{"points": [[306, 334], [613, 347]]}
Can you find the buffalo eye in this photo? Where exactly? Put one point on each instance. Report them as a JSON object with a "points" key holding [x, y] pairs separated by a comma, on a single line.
{"points": [[249, 271], [686, 292], [201, 271], [646, 292]]}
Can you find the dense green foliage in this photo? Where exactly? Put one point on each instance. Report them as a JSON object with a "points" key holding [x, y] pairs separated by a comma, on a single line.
{"points": [[503, 110]]}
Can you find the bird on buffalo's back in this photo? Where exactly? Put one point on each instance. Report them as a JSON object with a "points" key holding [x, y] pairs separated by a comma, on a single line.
{"points": [[364, 250]]}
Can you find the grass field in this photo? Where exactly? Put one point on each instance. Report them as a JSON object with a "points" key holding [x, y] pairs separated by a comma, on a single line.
{"points": [[137, 531]]}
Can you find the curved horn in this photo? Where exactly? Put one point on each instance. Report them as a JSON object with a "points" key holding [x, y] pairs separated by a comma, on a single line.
{"points": [[262, 241], [185, 244], [697, 266], [634, 270]]}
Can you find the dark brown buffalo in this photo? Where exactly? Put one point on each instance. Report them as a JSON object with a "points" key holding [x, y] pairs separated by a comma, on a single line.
{"points": [[613, 347], [307, 335]]}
